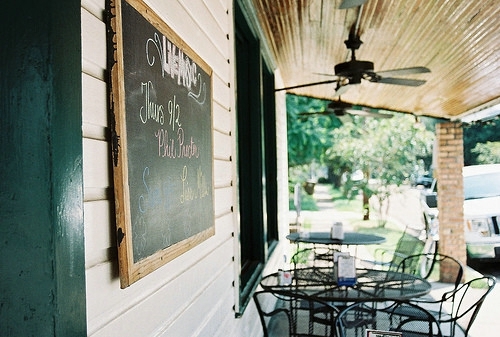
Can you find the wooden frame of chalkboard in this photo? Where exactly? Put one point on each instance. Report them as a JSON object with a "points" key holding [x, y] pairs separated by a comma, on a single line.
{"points": [[161, 135]]}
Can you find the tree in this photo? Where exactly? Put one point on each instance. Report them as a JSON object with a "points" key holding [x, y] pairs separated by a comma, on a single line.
{"points": [[479, 132], [385, 150], [308, 137], [487, 153]]}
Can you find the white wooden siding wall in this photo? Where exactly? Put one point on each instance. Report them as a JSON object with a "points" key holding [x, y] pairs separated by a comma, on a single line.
{"points": [[192, 295], [282, 158]]}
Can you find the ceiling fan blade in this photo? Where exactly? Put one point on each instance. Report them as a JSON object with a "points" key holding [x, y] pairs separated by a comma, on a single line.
{"points": [[403, 71], [400, 81], [337, 105], [346, 4], [314, 113], [325, 74], [365, 113], [329, 112], [341, 90], [306, 85]]}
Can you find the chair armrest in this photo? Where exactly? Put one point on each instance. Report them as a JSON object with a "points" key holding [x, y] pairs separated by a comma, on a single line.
{"points": [[381, 259], [384, 254]]}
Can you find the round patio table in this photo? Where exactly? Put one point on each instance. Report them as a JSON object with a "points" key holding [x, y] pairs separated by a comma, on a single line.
{"points": [[323, 238], [318, 240], [322, 284]]}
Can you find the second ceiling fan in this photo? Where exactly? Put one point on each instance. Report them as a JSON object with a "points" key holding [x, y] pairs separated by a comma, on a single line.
{"points": [[340, 108], [353, 71]]}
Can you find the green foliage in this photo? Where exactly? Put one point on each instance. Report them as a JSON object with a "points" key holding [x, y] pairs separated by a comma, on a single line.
{"points": [[487, 153], [479, 133], [387, 151], [307, 135]]}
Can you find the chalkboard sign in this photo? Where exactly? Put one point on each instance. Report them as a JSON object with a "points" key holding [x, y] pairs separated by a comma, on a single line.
{"points": [[161, 107]]}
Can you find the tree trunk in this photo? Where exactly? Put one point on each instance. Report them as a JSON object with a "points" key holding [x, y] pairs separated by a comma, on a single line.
{"points": [[366, 207]]}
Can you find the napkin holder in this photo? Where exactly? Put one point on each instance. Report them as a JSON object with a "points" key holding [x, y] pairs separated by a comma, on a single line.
{"points": [[345, 270], [284, 277], [337, 231]]}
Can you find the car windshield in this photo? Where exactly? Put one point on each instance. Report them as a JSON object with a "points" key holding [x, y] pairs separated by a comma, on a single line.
{"points": [[482, 186]]}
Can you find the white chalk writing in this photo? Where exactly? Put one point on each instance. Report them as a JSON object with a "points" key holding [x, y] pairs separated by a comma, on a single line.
{"points": [[176, 147], [173, 61], [197, 191], [150, 110]]}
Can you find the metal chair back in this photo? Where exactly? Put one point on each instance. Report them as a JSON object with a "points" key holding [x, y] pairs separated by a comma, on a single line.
{"points": [[439, 267], [387, 315], [407, 245], [458, 309], [294, 314]]}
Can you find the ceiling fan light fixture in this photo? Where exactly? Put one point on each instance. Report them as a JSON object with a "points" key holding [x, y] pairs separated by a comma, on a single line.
{"points": [[353, 67], [337, 112], [346, 68], [335, 105]]}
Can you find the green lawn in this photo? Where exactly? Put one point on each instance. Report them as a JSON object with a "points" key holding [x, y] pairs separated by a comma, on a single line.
{"points": [[308, 203], [340, 202], [343, 204], [390, 232]]}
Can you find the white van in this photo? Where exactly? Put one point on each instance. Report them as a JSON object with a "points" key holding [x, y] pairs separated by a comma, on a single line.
{"points": [[481, 211]]}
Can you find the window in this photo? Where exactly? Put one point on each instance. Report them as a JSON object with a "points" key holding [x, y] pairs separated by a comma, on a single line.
{"points": [[256, 137], [270, 167]]}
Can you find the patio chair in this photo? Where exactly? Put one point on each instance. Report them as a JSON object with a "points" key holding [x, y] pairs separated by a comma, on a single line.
{"points": [[315, 256], [407, 245], [294, 314], [387, 315], [435, 267], [457, 309]]}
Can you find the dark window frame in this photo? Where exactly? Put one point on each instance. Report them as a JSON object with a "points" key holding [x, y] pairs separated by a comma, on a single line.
{"points": [[256, 153]]}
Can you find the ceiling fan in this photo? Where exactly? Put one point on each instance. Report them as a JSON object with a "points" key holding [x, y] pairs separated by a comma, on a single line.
{"points": [[340, 108], [353, 71]]}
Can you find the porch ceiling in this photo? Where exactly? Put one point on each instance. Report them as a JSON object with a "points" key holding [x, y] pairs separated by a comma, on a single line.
{"points": [[459, 41]]}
